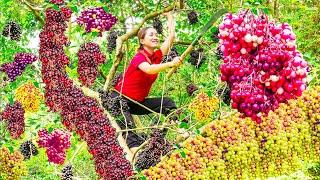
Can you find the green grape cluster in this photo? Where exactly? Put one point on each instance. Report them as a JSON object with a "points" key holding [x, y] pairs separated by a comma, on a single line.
{"points": [[237, 148]]}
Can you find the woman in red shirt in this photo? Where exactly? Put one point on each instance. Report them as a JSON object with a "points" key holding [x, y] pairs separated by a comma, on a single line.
{"points": [[141, 74]]}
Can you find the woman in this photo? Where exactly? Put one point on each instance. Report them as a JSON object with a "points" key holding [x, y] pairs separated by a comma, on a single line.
{"points": [[141, 74]]}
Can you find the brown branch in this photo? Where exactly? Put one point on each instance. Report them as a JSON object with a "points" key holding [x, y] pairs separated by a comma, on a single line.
{"points": [[125, 37], [189, 42], [150, 127], [34, 11]]}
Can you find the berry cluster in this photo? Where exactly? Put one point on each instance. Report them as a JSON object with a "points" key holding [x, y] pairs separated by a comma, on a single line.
{"points": [[66, 173], [12, 30], [191, 88], [55, 143], [29, 96], [193, 17], [89, 58], [14, 116], [197, 57], [202, 106], [157, 24], [14, 69], [112, 40], [261, 63], [155, 149], [79, 113], [96, 19], [115, 104], [237, 148], [116, 78], [172, 54], [28, 149], [11, 164]]}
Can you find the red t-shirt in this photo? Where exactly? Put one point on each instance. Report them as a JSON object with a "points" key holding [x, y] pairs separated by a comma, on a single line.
{"points": [[136, 83]]}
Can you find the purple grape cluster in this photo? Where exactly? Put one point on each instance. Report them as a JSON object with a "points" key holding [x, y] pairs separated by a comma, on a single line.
{"points": [[191, 88], [156, 148], [96, 18], [16, 68], [12, 30]]}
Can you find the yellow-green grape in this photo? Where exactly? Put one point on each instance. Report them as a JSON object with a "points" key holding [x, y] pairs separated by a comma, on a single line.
{"points": [[12, 165], [29, 96], [202, 106]]}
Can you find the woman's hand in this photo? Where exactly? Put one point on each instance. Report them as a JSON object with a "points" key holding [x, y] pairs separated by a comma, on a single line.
{"points": [[176, 61]]}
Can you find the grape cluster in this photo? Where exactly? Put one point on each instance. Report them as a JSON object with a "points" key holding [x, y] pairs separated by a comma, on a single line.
{"points": [[114, 104], [12, 30], [15, 68], [116, 78], [96, 19], [89, 58], [11, 164], [155, 149], [57, 2], [55, 143], [172, 54], [260, 63], [197, 57], [13, 115], [112, 40], [238, 148], [28, 149], [66, 173], [193, 17], [79, 113], [202, 106], [191, 88], [157, 24], [224, 94], [29, 96]]}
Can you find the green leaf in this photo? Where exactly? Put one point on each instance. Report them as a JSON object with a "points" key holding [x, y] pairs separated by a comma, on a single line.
{"points": [[198, 131], [105, 8], [74, 9], [265, 10], [11, 149], [143, 177], [94, 33], [183, 154], [177, 146], [50, 129], [255, 11], [184, 125], [11, 99], [56, 7]]}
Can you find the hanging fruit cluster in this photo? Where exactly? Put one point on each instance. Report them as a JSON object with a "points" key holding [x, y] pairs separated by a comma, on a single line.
{"points": [[237, 148], [260, 63], [89, 58], [16, 68], [12, 30], [55, 144], [13, 115], [79, 113], [96, 19], [28, 149], [29, 96], [11, 164], [202, 106]]}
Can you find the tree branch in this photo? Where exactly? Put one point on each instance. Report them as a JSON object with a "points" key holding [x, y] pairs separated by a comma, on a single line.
{"points": [[124, 38], [34, 11]]}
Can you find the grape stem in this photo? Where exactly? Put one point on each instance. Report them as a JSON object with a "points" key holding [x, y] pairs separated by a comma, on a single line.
{"points": [[148, 127], [34, 11]]}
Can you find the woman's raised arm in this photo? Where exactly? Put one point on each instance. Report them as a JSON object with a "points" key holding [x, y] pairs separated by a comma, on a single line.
{"points": [[169, 40]]}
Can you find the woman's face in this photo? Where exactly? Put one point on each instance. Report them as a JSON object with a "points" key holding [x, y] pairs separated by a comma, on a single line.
{"points": [[151, 39]]}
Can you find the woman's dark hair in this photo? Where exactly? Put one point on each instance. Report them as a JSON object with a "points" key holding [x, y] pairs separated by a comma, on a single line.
{"points": [[141, 34]]}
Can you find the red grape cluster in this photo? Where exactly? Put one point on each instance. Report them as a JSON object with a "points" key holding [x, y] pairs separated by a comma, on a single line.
{"points": [[112, 40], [193, 17], [89, 58], [79, 113], [96, 19], [191, 88], [14, 69], [260, 63], [55, 143], [14, 116]]}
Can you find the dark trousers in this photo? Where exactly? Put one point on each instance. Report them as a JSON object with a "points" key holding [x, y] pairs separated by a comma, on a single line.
{"points": [[133, 140]]}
